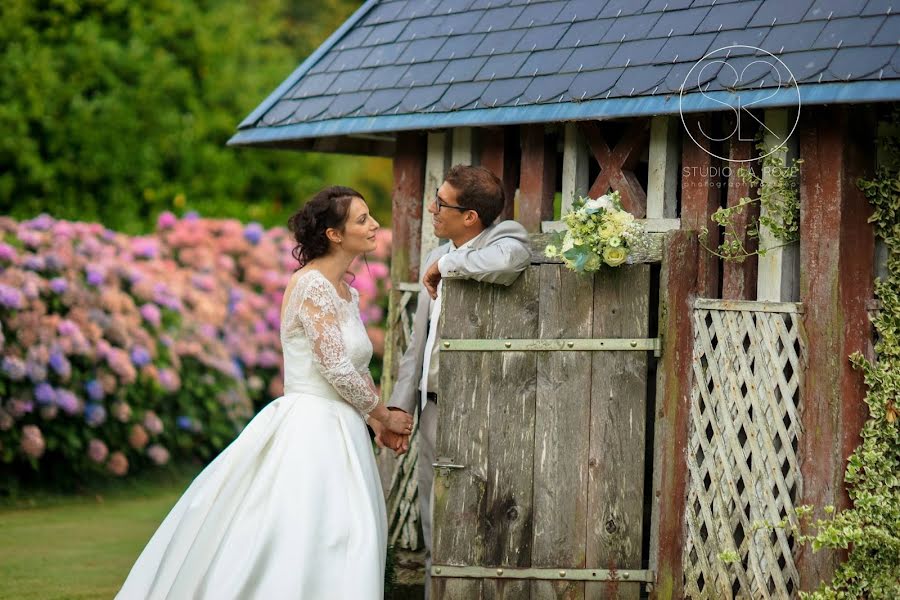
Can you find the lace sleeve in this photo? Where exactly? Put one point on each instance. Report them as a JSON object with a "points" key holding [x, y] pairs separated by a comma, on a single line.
{"points": [[319, 316]]}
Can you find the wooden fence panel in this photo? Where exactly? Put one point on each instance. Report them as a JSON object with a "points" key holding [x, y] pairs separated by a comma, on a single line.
{"points": [[618, 416], [561, 438], [509, 509]]}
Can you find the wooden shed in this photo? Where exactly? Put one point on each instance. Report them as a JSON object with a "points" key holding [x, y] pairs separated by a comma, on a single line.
{"points": [[622, 431]]}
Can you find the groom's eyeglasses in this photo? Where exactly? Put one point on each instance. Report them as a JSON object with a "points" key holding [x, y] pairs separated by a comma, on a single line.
{"points": [[441, 204]]}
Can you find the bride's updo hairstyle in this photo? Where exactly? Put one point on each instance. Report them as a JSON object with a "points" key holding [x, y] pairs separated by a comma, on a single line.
{"points": [[327, 209]]}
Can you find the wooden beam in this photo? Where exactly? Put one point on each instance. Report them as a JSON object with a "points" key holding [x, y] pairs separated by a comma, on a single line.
{"points": [[617, 164], [537, 184], [837, 259], [500, 154], [662, 175], [678, 287], [739, 278], [575, 167], [436, 164], [778, 278], [406, 206], [700, 197]]}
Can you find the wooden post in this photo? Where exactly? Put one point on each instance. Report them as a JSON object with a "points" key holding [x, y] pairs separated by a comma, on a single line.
{"points": [[617, 164], [700, 198], [662, 176], [678, 285], [538, 177], [462, 151], [836, 253], [575, 167], [500, 154], [436, 165], [778, 278], [739, 278]]}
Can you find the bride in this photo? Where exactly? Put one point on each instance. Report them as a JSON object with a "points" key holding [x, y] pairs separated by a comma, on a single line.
{"points": [[293, 508]]}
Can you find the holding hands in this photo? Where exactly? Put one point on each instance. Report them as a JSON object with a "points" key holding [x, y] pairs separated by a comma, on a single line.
{"points": [[392, 429]]}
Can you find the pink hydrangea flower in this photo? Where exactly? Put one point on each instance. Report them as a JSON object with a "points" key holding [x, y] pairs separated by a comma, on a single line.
{"points": [[32, 442], [117, 464], [97, 451], [158, 454]]}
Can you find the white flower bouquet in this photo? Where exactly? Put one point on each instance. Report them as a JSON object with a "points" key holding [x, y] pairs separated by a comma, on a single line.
{"points": [[598, 232]]}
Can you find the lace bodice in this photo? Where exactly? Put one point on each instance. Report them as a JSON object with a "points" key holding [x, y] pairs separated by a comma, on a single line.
{"points": [[322, 329]]}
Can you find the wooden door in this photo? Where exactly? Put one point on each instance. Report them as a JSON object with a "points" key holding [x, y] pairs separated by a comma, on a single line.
{"points": [[542, 428]]}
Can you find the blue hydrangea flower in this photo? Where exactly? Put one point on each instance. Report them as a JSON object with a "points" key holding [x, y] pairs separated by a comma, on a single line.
{"points": [[94, 414], [140, 356], [44, 393], [94, 390], [253, 233]]}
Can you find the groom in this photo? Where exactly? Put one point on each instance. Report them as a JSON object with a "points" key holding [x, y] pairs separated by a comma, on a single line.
{"points": [[463, 211]]}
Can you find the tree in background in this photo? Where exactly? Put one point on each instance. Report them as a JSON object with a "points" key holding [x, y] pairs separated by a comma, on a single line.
{"points": [[114, 110]]}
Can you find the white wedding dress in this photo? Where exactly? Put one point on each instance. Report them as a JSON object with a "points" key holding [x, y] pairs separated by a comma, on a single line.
{"points": [[293, 508]]}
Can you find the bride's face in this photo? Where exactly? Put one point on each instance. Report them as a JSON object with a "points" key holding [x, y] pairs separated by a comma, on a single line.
{"points": [[358, 236]]}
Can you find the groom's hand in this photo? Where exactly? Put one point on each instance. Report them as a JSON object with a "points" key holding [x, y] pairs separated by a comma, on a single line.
{"points": [[388, 439], [431, 279]]}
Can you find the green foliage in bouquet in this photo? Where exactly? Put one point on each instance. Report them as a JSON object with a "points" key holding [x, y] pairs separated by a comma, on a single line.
{"points": [[598, 232]]}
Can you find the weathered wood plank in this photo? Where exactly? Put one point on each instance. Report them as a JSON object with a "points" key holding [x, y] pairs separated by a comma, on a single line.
{"points": [[837, 250], [500, 154], [650, 225], [662, 175], [778, 277], [576, 159], [618, 416], [436, 165], [652, 254], [462, 152], [678, 287], [739, 278], [617, 164], [561, 443], [462, 437], [700, 197], [507, 521], [537, 184]]}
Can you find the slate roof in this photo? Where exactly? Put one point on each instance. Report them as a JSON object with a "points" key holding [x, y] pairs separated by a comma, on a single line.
{"points": [[416, 64]]}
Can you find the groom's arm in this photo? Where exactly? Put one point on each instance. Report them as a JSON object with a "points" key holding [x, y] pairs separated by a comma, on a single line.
{"points": [[500, 261]]}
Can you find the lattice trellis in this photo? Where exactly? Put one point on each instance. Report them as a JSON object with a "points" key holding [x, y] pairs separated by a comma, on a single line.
{"points": [[402, 493], [749, 360]]}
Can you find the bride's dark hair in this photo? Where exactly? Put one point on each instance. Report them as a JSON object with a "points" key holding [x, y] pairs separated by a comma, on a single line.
{"points": [[328, 208]]}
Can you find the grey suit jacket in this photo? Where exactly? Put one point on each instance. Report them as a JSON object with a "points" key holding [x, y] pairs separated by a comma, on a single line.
{"points": [[497, 255]]}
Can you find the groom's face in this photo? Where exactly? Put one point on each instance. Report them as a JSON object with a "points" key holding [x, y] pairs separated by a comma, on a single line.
{"points": [[449, 220]]}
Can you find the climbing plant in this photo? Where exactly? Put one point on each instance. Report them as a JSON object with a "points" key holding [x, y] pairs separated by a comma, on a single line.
{"points": [[779, 199]]}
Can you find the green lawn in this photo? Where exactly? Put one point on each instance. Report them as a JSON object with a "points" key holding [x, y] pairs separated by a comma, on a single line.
{"points": [[56, 547]]}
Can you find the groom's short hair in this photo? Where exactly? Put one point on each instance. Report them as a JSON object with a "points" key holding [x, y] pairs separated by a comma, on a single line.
{"points": [[478, 189]]}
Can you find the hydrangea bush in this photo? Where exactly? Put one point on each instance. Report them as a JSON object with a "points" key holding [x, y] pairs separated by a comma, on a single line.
{"points": [[121, 352]]}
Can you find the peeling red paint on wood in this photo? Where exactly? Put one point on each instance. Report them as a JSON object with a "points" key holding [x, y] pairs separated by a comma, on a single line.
{"points": [[537, 184], [837, 255], [406, 206], [617, 164], [739, 278], [500, 154], [700, 198], [678, 286]]}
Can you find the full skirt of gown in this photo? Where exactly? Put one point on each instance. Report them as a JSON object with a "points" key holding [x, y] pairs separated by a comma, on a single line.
{"points": [[292, 508]]}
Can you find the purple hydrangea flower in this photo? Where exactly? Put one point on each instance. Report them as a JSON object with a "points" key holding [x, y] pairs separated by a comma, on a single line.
{"points": [[42, 222], [95, 276], [60, 364], [68, 401], [151, 314], [14, 368], [67, 328], [7, 252], [10, 297], [140, 356], [191, 215], [59, 285], [94, 414], [253, 233], [53, 262], [94, 390], [44, 393], [34, 262]]}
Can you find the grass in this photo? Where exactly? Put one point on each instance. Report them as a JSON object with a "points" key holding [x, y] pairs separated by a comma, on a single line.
{"points": [[77, 547]]}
